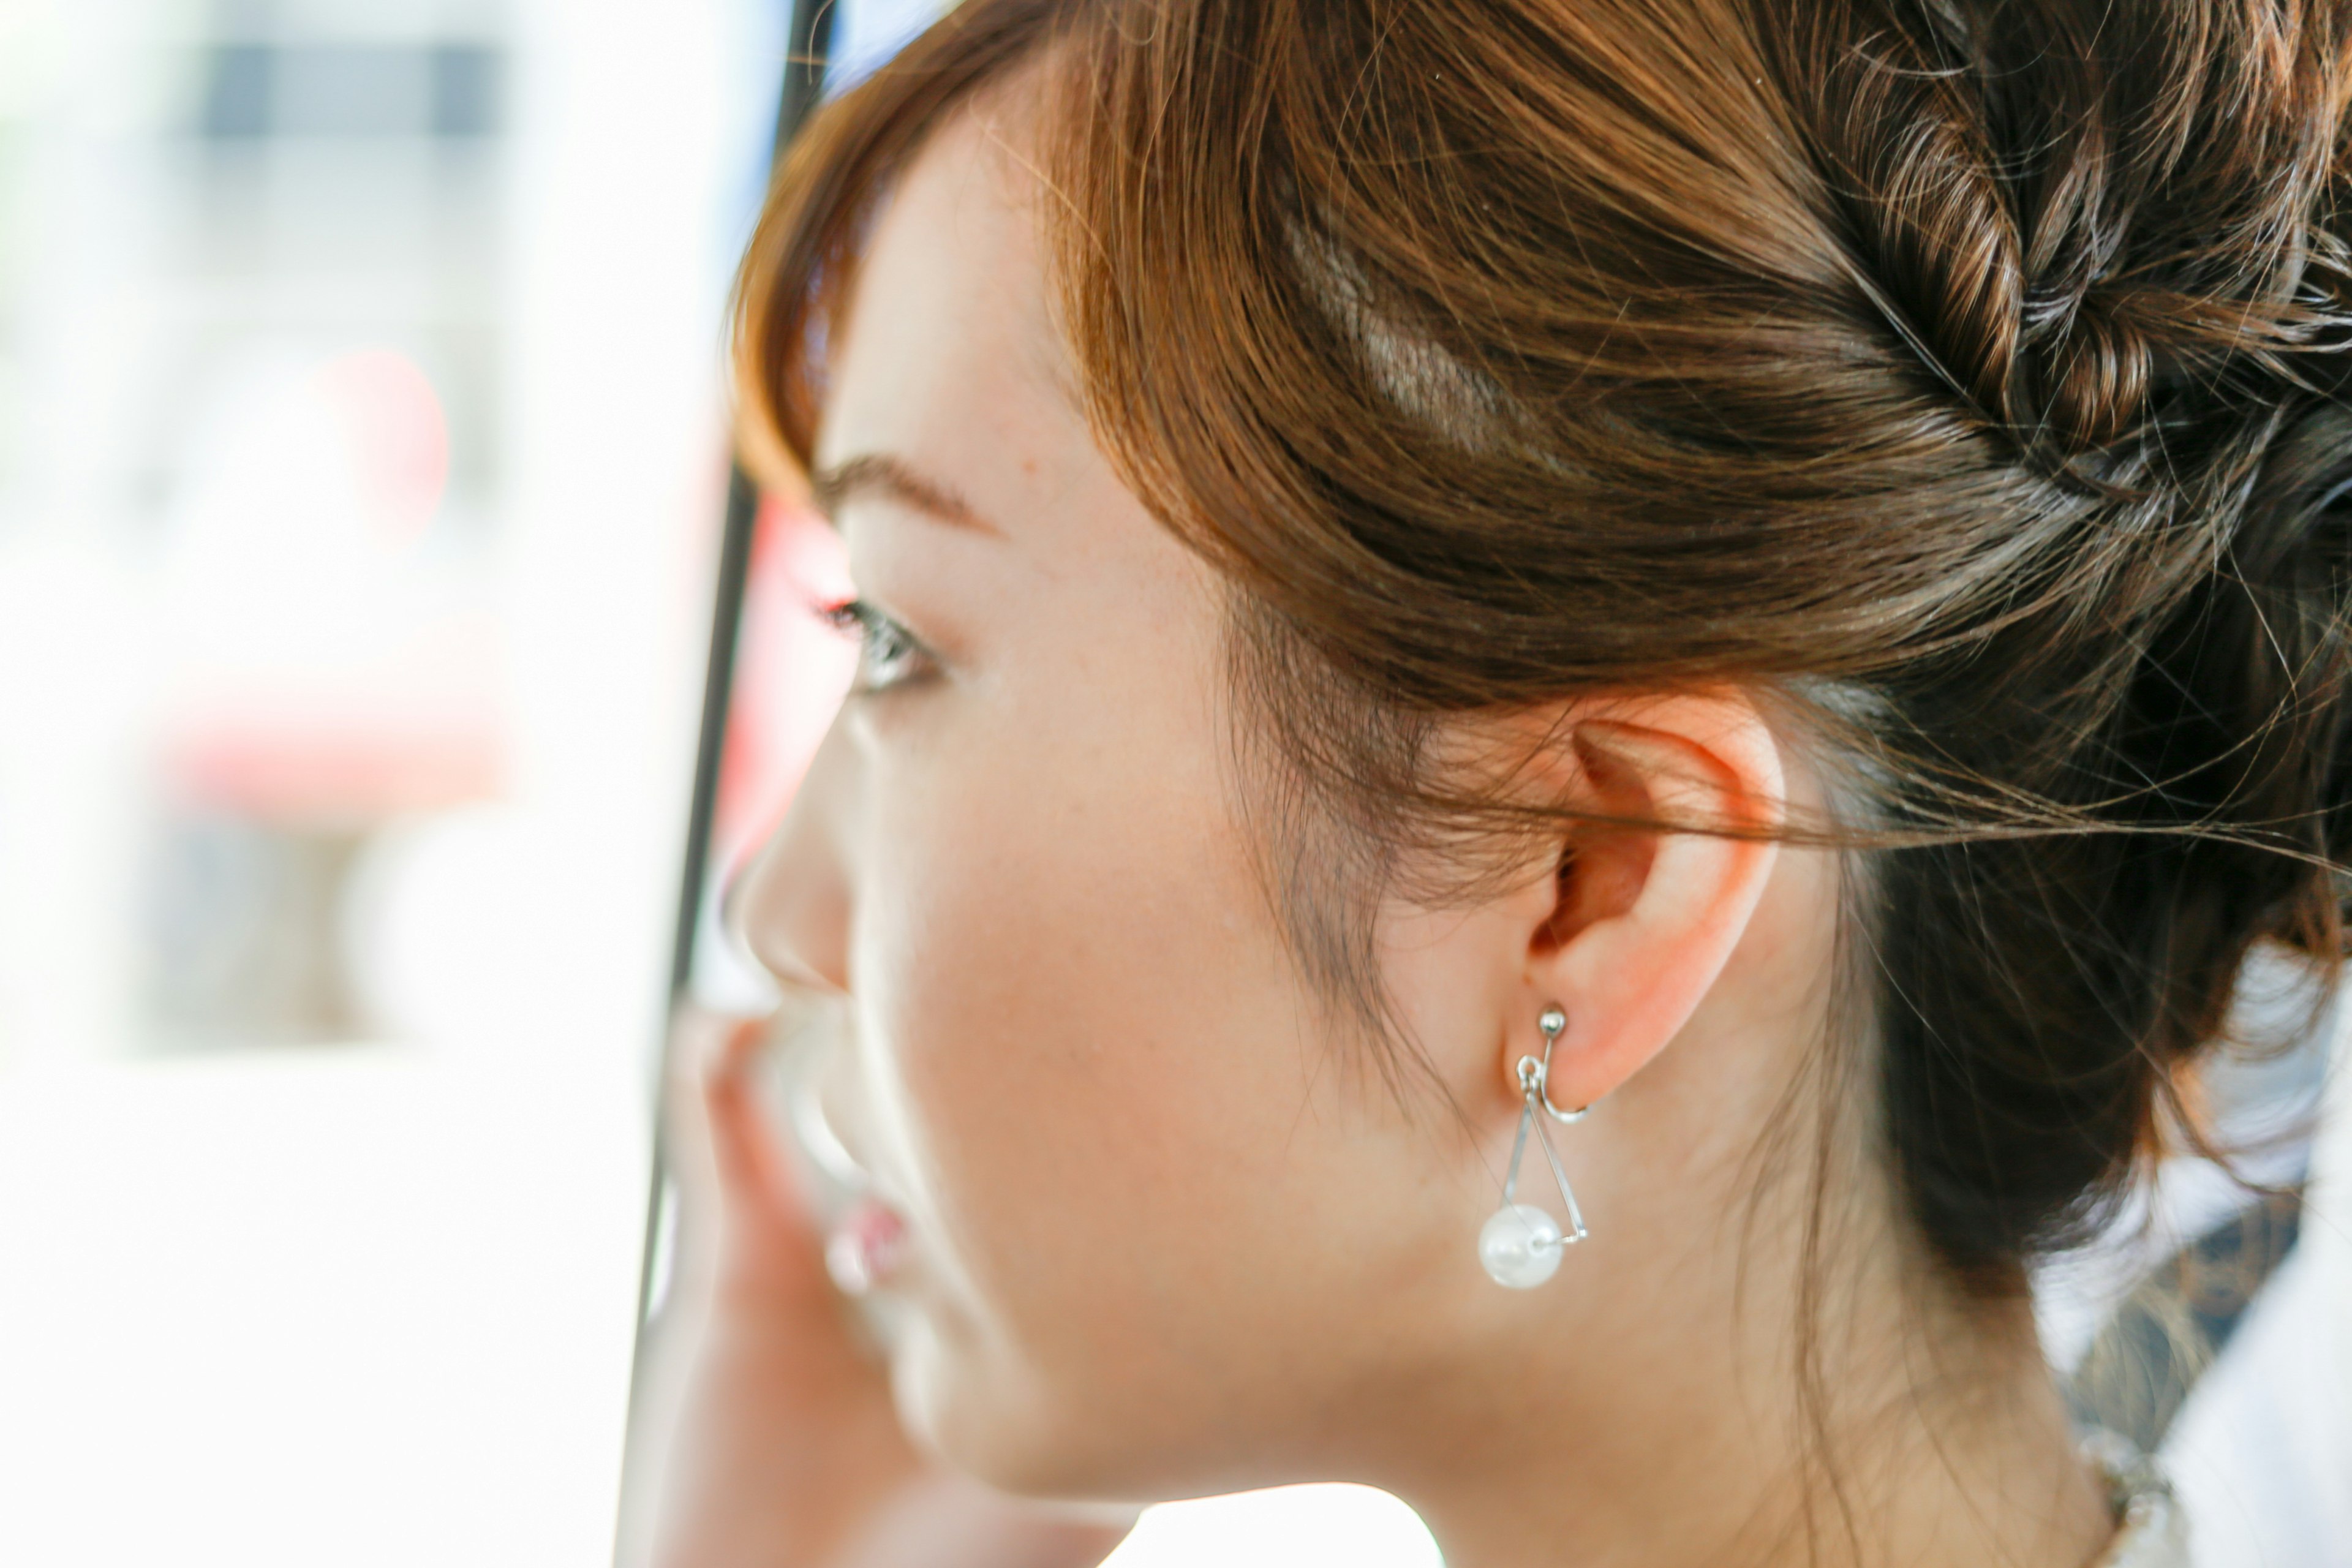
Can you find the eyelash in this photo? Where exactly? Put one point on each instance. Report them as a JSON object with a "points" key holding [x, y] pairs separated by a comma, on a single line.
{"points": [[886, 649]]}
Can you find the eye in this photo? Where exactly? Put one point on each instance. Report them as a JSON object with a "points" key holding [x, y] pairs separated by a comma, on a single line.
{"points": [[888, 653]]}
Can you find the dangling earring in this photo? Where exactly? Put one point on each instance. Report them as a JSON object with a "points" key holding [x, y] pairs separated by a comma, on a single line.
{"points": [[1520, 1244]]}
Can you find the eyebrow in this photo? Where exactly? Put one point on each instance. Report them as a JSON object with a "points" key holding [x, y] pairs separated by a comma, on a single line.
{"points": [[882, 474]]}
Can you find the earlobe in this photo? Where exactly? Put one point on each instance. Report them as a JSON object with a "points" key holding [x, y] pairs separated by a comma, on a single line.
{"points": [[1644, 919]]}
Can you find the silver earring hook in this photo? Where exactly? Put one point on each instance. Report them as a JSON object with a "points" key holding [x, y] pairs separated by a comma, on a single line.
{"points": [[1535, 1076]]}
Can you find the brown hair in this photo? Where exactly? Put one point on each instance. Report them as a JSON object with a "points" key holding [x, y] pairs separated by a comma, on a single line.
{"points": [[1961, 376]]}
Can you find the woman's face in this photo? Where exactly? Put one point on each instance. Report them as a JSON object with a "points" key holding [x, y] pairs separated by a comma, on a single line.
{"points": [[1158, 1223]]}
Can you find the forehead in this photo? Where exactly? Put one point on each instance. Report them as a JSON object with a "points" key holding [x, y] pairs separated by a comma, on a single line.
{"points": [[948, 344]]}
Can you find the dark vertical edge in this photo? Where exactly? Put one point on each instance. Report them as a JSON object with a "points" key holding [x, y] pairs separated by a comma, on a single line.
{"points": [[809, 39], [711, 743], [810, 47]]}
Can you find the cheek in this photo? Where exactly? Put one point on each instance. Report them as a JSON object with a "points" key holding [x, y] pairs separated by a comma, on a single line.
{"points": [[1091, 1048], [1041, 946]]}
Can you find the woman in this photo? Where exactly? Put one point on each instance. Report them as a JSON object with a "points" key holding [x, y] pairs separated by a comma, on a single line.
{"points": [[1764, 578]]}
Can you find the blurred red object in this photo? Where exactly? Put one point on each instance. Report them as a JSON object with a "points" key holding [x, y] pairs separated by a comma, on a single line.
{"points": [[791, 667]]}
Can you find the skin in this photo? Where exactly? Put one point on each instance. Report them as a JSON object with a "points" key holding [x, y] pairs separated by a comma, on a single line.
{"points": [[1168, 1235]]}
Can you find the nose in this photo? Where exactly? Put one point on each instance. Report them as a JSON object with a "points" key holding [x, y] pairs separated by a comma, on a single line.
{"points": [[791, 908]]}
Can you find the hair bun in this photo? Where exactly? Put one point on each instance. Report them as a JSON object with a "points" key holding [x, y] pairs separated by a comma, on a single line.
{"points": [[2094, 376]]}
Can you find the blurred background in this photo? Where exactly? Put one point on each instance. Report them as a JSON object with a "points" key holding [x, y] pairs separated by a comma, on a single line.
{"points": [[362, 460], [363, 465]]}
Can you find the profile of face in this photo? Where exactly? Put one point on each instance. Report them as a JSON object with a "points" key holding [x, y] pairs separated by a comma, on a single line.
{"points": [[1168, 1232]]}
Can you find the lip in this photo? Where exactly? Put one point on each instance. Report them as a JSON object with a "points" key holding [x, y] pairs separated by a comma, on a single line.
{"points": [[867, 1246], [868, 1241], [823, 1144]]}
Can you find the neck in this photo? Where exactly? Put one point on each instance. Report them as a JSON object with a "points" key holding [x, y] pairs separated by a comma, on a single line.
{"points": [[1889, 1433]]}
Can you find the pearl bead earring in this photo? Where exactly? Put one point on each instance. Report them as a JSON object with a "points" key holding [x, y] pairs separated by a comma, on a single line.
{"points": [[1520, 1244]]}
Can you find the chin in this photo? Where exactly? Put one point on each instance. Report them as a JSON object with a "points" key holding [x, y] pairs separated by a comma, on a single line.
{"points": [[996, 1426]]}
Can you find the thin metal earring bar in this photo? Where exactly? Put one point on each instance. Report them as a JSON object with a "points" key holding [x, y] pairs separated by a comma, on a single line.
{"points": [[1533, 1092], [1518, 1147], [1576, 1231]]}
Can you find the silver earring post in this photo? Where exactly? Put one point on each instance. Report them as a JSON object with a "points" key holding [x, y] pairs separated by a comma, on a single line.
{"points": [[1520, 1245]]}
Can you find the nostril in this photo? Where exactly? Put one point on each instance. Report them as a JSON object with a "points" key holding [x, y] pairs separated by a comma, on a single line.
{"points": [[800, 954]]}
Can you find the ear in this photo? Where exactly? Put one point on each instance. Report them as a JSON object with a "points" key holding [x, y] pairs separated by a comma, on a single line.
{"points": [[1637, 923]]}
